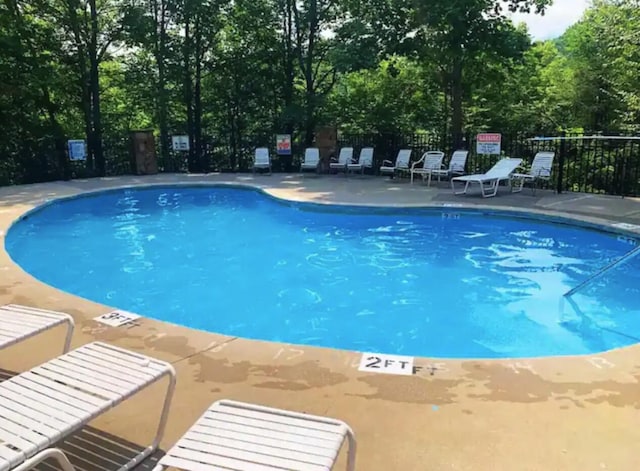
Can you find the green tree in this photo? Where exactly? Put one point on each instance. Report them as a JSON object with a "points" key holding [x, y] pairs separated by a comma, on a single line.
{"points": [[603, 49]]}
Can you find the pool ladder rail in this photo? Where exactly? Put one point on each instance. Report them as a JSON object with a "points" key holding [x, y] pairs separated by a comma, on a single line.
{"points": [[626, 257]]}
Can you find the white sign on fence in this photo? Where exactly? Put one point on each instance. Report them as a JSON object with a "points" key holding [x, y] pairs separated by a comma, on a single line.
{"points": [[77, 149], [391, 364], [180, 142], [117, 318], [488, 143]]}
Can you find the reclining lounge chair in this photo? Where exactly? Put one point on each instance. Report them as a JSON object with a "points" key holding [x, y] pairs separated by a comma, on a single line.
{"points": [[235, 435], [401, 166], [46, 404], [18, 323], [501, 171]]}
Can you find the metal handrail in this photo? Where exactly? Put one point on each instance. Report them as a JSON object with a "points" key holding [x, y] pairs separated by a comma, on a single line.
{"points": [[602, 271]]}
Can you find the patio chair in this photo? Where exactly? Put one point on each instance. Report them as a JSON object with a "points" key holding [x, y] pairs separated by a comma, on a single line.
{"points": [[540, 171], [402, 163], [236, 435], [502, 170], [457, 164], [344, 158], [18, 323], [52, 401], [311, 159], [262, 160], [430, 160], [364, 161]]}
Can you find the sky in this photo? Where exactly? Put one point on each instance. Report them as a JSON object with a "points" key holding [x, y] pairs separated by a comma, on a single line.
{"points": [[557, 18]]}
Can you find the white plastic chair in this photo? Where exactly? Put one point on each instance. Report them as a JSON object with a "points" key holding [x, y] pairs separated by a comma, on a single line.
{"points": [[262, 160], [311, 159], [401, 165], [430, 160], [541, 168], [457, 164], [18, 323], [56, 399], [344, 158], [502, 170], [364, 161], [237, 435]]}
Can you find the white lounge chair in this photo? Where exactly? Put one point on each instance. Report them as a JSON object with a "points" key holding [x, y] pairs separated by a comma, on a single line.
{"points": [[502, 170], [235, 435], [52, 401], [401, 165], [540, 170], [364, 161], [18, 323], [262, 160], [457, 164], [344, 158], [311, 159], [430, 160]]}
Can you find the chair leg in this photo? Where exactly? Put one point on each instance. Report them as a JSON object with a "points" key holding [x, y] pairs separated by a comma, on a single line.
{"points": [[351, 457], [518, 187], [164, 415], [67, 340]]}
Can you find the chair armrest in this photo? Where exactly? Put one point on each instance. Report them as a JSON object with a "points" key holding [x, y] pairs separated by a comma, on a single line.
{"points": [[547, 171], [417, 162], [386, 162]]}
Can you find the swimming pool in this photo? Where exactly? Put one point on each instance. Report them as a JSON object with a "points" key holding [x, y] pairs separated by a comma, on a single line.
{"points": [[426, 282]]}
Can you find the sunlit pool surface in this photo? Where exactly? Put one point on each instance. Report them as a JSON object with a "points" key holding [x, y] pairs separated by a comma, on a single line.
{"points": [[413, 282]]}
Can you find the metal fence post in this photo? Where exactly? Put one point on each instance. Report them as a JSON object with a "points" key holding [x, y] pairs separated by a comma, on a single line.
{"points": [[561, 156]]}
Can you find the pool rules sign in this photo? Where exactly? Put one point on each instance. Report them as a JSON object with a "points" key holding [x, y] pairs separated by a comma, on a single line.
{"points": [[488, 143]]}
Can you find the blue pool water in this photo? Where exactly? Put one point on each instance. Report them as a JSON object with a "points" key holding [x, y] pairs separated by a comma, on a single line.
{"points": [[411, 282]]}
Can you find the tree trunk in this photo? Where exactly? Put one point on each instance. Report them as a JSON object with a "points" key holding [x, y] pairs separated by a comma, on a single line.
{"points": [[83, 77], [456, 104], [310, 92], [289, 70], [94, 81], [203, 163], [58, 132], [444, 78], [160, 56], [188, 88]]}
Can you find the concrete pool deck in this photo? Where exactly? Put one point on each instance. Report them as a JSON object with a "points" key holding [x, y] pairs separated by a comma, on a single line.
{"points": [[555, 413]]}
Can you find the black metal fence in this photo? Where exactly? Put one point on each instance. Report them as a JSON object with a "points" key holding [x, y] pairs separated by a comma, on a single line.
{"points": [[592, 163], [589, 162]]}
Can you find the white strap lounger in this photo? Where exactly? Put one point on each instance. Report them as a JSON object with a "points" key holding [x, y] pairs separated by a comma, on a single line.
{"points": [[237, 436], [18, 323], [52, 401], [501, 171]]}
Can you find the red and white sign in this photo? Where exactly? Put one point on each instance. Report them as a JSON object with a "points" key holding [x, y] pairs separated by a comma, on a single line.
{"points": [[488, 143]]}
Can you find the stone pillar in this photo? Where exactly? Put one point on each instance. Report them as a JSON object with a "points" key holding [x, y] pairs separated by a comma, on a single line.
{"points": [[326, 138], [143, 153]]}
